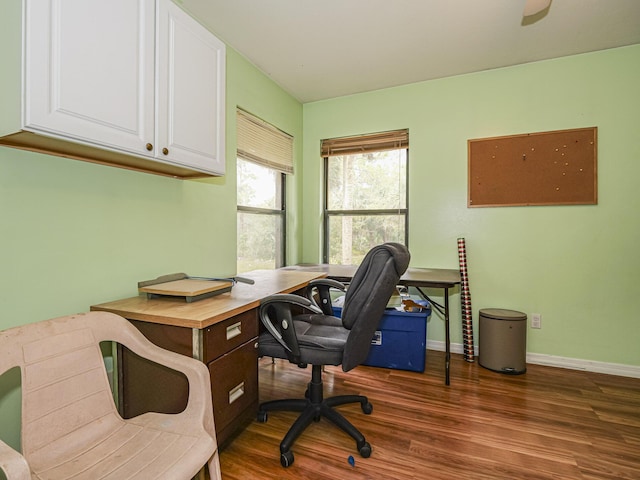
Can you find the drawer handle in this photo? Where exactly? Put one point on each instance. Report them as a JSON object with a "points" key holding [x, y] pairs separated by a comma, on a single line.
{"points": [[236, 392], [234, 330]]}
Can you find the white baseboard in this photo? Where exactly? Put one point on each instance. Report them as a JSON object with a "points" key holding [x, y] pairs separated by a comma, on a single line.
{"points": [[556, 361], [455, 347]]}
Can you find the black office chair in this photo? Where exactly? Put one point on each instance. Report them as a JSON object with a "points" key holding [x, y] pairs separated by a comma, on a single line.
{"points": [[319, 339]]}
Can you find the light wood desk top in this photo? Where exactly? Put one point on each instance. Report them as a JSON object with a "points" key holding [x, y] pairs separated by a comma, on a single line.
{"points": [[206, 312]]}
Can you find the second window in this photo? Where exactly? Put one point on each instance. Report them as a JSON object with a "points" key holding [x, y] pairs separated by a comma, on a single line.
{"points": [[365, 194]]}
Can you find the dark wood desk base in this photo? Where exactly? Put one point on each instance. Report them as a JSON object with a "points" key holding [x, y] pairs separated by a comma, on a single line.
{"points": [[221, 332]]}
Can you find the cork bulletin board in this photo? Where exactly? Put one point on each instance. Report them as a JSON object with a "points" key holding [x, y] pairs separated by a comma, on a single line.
{"points": [[546, 168]]}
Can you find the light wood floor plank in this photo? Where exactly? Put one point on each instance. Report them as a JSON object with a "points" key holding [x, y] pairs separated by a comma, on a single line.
{"points": [[547, 424]]}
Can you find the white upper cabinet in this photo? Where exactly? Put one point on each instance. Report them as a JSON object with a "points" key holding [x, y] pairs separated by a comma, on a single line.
{"points": [[190, 91], [89, 72], [132, 83]]}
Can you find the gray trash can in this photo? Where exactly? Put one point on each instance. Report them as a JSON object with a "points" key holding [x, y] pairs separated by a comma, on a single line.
{"points": [[503, 340]]}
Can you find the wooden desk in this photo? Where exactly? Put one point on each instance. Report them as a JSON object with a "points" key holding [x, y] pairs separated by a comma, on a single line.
{"points": [[413, 277], [220, 331]]}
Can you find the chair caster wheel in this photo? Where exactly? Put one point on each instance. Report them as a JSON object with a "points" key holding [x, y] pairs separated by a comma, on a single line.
{"points": [[262, 416], [367, 408], [286, 459], [365, 450]]}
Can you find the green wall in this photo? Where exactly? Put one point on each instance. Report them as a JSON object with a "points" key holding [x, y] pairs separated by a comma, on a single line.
{"points": [[579, 266], [75, 234]]}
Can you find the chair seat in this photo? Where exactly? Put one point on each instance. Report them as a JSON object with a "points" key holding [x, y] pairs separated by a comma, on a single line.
{"points": [[323, 340], [141, 448], [316, 319]]}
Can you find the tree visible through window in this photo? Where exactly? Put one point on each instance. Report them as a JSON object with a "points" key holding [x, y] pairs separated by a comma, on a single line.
{"points": [[260, 217], [365, 200]]}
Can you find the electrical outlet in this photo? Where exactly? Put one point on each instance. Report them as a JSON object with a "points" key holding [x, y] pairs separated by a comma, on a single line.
{"points": [[536, 320]]}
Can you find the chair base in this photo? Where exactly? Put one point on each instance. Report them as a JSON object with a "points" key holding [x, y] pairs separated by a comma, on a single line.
{"points": [[313, 408]]}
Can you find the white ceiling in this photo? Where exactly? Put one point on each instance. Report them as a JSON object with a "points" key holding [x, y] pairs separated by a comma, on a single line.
{"points": [[318, 49]]}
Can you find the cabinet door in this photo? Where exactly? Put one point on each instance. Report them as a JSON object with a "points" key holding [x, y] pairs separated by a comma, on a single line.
{"points": [[190, 80], [89, 71]]}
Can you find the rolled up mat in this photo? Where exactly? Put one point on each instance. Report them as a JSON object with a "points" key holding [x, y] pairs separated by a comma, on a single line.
{"points": [[465, 300]]}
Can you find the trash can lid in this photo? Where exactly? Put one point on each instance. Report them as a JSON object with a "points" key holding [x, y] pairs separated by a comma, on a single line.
{"points": [[502, 314]]}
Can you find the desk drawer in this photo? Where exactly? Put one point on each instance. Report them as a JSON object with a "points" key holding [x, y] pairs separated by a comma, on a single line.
{"points": [[229, 334], [234, 384]]}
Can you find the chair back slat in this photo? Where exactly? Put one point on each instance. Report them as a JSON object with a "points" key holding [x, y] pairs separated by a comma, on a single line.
{"points": [[63, 377]]}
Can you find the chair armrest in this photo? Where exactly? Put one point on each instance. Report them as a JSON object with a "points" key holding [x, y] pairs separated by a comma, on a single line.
{"points": [[282, 328], [323, 287], [199, 401], [115, 328], [14, 465]]}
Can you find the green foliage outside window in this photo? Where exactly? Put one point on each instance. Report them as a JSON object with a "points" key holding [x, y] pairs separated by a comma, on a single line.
{"points": [[366, 203], [260, 217]]}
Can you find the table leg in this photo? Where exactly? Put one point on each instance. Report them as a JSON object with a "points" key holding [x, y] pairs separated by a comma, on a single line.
{"points": [[447, 360], [197, 352], [197, 344], [115, 377], [444, 312]]}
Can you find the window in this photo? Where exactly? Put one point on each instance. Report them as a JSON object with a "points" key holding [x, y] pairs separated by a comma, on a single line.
{"points": [[365, 194], [261, 215], [265, 154]]}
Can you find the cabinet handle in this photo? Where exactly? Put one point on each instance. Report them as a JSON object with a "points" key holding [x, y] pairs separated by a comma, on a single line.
{"points": [[149, 146], [165, 150], [236, 392], [234, 330]]}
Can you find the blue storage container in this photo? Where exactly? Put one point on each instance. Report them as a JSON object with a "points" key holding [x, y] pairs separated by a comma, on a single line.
{"points": [[400, 341]]}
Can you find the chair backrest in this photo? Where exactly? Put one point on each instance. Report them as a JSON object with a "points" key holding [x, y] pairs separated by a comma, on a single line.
{"points": [[63, 375], [367, 296]]}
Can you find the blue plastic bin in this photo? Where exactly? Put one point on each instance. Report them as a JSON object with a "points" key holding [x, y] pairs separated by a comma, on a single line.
{"points": [[400, 340]]}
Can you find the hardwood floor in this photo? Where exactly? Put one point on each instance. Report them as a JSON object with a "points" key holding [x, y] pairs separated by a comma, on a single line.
{"points": [[548, 423]]}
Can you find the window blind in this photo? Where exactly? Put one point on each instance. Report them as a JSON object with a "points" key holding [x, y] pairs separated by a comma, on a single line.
{"points": [[375, 142], [261, 142]]}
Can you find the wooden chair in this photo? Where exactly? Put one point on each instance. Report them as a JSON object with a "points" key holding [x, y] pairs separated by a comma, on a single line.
{"points": [[70, 425]]}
